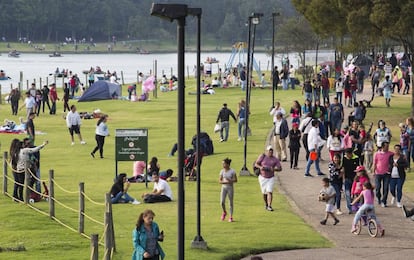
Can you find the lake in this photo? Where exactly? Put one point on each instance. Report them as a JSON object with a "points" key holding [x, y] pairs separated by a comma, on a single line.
{"points": [[39, 65]]}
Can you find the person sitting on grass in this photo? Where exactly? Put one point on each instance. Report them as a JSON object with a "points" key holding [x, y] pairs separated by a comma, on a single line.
{"points": [[161, 192], [119, 191]]}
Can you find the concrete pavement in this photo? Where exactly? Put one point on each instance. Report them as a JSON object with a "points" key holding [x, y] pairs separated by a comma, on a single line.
{"points": [[398, 242]]}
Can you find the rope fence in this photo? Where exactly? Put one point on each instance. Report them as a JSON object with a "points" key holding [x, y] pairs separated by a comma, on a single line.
{"points": [[33, 194]]}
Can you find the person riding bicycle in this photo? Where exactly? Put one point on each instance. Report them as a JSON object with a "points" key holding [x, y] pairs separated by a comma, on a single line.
{"points": [[368, 195]]}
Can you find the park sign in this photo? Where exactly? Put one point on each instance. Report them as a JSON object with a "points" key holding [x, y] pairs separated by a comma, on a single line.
{"points": [[131, 144]]}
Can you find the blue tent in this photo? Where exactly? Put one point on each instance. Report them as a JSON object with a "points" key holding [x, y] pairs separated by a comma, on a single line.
{"points": [[101, 90]]}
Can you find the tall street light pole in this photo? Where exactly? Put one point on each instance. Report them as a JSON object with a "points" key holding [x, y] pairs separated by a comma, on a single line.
{"points": [[198, 241], [178, 12], [273, 57], [253, 19]]}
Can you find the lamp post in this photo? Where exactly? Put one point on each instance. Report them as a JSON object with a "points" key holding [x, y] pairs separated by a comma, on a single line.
{"points": [[254, 19], [198, 241], [273, 57], [178, 12]]}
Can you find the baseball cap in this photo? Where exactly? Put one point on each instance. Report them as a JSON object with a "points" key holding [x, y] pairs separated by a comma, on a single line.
{"points": [[269, 147], [359, 168], [295, 124]]}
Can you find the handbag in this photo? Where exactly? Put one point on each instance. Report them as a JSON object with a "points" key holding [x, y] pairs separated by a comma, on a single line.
{"points": [[217, 128]]}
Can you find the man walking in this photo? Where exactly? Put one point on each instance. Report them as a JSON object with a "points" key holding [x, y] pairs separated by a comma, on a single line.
{"points": [[280, 134], [382, 174], [224, 116]]}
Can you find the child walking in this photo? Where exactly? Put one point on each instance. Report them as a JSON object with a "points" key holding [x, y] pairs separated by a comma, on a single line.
{"points": [[368, 153], [227, 178], [368, 195], [330, 201]]}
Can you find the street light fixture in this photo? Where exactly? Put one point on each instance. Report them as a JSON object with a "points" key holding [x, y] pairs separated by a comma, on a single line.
{"points": [[254, 19], [178, 12]]}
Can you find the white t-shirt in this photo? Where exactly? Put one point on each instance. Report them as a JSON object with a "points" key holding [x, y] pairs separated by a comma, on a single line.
{"points": [[163, 185], [339, 86]]}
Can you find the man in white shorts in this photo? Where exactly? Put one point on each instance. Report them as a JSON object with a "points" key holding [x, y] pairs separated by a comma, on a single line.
{"points": [[268, 164]]}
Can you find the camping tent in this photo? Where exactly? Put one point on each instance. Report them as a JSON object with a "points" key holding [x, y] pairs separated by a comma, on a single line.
{"points": [[101, 90]]}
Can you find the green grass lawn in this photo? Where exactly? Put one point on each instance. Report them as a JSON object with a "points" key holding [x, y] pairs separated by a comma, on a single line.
{"points": [[254, 230]]}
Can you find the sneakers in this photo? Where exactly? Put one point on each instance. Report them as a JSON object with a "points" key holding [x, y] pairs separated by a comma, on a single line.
{"points": [[399, 205], [405, 212], [136, 202], [321, 174], [392, 200], [383, 205], [223, 216], [323, 222], [339, 212], [239, 139], [83, 142], [221, 140], [231, 219], [73, 143], [269, 208], [308, 175], [93, 155], [336, 222]]}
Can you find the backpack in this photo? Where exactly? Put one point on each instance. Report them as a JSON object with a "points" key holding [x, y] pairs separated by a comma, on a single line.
{"points": [[256, 170]]}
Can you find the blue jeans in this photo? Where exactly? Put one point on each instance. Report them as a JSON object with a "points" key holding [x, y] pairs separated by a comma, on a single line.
{"points": [[308, 95], [336, 124], [241, 125], [243, 84], [224, 128], [361, 211], [292, 83], [285, 84], [383, 179], [339, 97], [308, 165], [337, 187], [316, 95], [353, 93], [397, 183], [121, 198], [348, 186]]}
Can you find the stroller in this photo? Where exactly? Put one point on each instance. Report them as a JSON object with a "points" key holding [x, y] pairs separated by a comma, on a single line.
{"points": [[190, 165]]}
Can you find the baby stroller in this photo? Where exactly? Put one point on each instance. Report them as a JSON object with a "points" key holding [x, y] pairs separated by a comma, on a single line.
{"points": [[190, 166]]}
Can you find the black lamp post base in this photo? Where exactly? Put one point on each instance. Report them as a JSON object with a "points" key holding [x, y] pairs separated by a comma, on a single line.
{"points": [[245, 172], [199, 243]]}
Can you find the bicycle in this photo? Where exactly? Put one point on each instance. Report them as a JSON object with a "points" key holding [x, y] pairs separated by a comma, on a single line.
{"points": [[368, 219]]}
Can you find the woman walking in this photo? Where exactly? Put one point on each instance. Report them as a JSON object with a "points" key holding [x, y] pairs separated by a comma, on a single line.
{"points": [[397, 163], [100, 133], [146, 236], [15, 147], [227, 178]]}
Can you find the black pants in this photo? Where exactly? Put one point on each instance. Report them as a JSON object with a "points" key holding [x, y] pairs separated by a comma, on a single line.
{"points": [[15, 107], [45, 101], [152, 198], [18, 185], [100, 141], [305, 145], [53, 108], [294, 156]]}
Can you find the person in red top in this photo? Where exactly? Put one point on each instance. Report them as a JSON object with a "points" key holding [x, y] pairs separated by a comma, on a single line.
{"points": [[360, 178], [268, 164], [382, 173], [53, 98], [354, 87], [325, 88]]}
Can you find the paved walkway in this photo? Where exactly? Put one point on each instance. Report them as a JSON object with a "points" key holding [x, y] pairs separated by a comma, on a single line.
{"points": [[398, 242]]}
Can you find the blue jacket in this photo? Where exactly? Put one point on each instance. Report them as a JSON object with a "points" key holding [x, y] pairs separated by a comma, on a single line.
{"points": [[139, 239], [284, 129]]}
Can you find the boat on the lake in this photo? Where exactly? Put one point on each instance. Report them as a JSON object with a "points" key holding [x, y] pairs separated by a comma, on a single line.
{"points": [[55, 54], [14, 54]]}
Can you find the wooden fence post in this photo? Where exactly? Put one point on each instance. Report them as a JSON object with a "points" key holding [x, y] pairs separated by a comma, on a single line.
{"points": [[51, 194], [1, 99], [5, 172], [81, 207], [63, 81], [94, 247], [110, 233]]}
